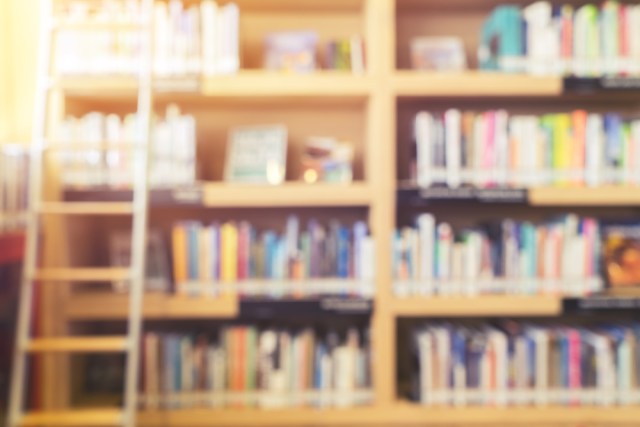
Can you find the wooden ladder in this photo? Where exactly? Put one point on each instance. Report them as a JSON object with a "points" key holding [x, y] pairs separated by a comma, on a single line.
{"points": [[26, 344]]}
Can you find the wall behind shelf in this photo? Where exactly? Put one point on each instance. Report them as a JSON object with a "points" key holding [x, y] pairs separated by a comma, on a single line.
{"points": [[18, 46]]}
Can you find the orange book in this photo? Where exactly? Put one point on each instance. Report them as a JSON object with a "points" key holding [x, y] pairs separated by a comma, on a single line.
{"points": [[579, 119], [179, 247], [241, 358]]}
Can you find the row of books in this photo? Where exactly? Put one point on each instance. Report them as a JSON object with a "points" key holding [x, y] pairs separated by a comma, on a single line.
{"points": [[494, 148], [238, 251], [521, 363], [104, 149], [254, 366], [14, 182], [187, 40], [546, 39], [506, 256]]}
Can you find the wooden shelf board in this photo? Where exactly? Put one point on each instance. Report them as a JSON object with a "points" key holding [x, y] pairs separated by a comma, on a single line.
{"points": [[219, 194], [568, 196], [407, 413], [489, 305], [473, 83], [261, 83], [288, 194], [112, 306], [230, 417], [404, 414]]}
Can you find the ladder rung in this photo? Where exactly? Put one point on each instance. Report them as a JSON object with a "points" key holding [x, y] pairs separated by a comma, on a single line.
{"points": [[78, 344], [86, 208], [80, 417], [82, 274]]}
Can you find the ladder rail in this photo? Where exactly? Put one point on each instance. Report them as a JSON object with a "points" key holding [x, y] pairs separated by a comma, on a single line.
{"points": [[39, 128], [140, 219]]}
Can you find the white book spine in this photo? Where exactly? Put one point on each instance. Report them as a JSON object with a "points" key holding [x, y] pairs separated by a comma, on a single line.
{"points": [[453, 143], [426, 235], [424, 146]]}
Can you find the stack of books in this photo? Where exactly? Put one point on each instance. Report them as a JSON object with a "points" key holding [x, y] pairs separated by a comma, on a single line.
{"points": [[494, 148], [522, 363], [545, 39], [557, 257], [112, 144], [246, 366], [206, 257], [187, 40]]}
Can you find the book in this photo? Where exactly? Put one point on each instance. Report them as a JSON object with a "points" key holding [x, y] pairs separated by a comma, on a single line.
{"points": [[621, 255], [291, 51], [438, 53]]}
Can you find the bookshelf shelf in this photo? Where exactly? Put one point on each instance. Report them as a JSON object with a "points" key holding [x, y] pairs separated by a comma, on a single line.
{"points": [[537, 196], [258, 84], [498, 305], [406, 413], [473, 83], [255, 417], [288, 194], [247, 83], [110, 306], [215, 194], [566, 196]]}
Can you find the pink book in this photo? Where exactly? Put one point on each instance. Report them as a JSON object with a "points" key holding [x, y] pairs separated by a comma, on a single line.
{"points": [[489, 158], [574, 364]]}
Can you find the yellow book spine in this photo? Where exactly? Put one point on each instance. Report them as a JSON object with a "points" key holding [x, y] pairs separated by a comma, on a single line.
{"points": [[229, 252], [179, 246]]}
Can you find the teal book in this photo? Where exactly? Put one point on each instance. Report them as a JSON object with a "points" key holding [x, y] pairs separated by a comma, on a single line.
{"points": [[501, 36]]}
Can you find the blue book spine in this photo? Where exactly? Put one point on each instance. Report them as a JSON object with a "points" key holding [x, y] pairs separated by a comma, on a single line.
{"points": [[613, 145], [343, 253], [192, 233]]}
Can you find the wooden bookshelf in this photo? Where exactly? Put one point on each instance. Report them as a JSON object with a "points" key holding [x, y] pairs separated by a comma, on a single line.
{"points": [[371, 110]]}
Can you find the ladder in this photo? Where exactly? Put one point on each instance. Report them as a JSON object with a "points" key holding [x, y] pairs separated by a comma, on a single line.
{"points": [[26, 344]]}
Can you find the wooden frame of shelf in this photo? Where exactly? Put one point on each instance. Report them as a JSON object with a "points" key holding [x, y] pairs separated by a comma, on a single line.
{"points": [[486, 305], [224, 195], [112, 306], [473, 83]]}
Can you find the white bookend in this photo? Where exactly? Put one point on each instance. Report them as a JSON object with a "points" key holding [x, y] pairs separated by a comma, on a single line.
{"points": [[453, 142]]}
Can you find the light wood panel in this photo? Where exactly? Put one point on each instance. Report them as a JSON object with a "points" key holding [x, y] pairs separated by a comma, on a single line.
{"points": [[111, 306], [474, 83], [489, 305], [77, 344], [79, 418], [571, 196], [290, 194]]}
